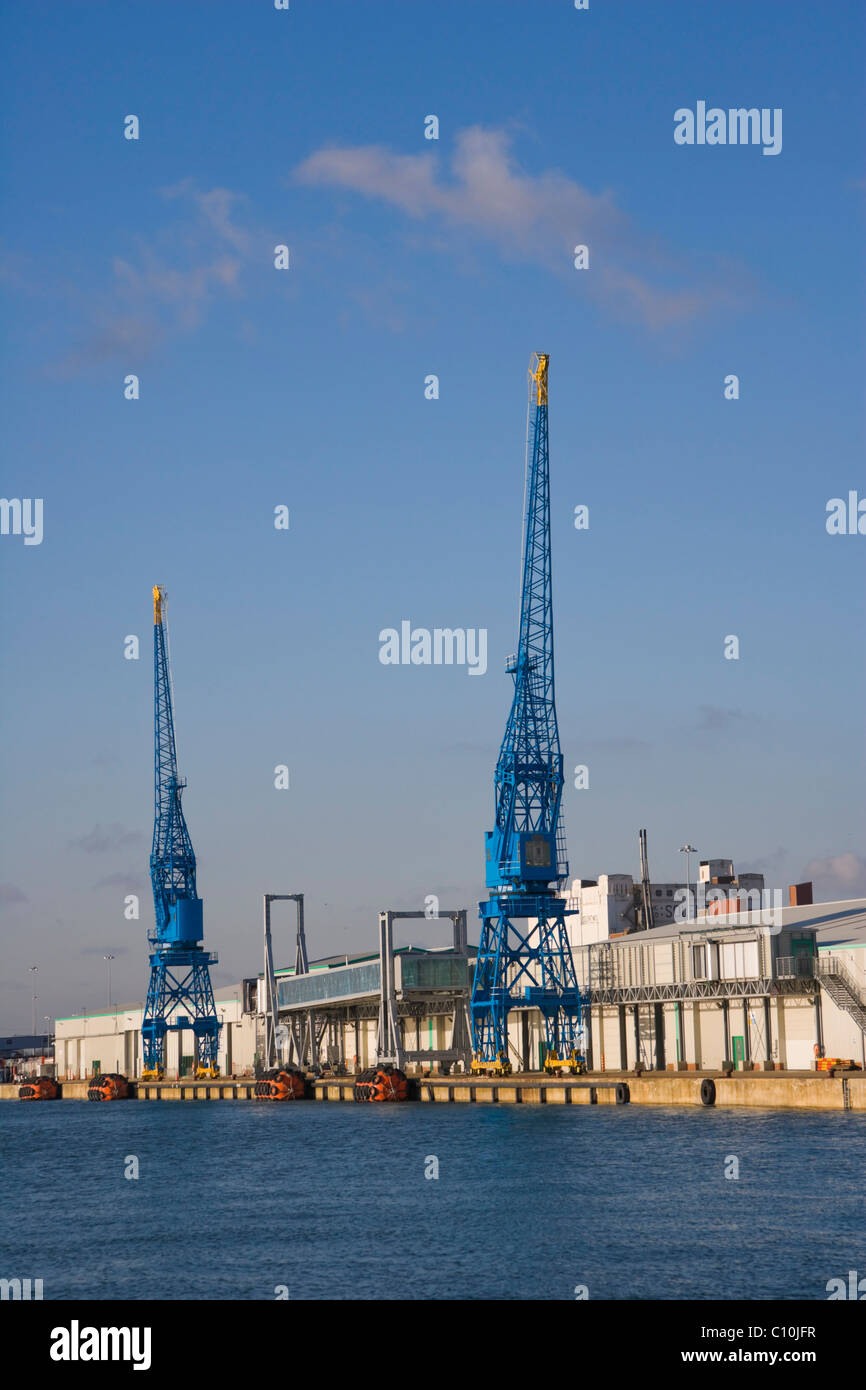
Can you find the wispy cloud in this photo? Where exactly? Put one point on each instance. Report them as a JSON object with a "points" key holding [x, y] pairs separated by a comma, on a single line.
{"points": [[11, 895], [112, 337], [772, 863], [715, 719], [128, 882], [185, 291], [838, 876], [166, 287], [216, 208], [101, 840], [534, 217]]}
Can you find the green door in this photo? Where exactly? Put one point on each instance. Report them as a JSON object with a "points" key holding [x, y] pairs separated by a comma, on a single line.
{"points": [[739, 1053]]}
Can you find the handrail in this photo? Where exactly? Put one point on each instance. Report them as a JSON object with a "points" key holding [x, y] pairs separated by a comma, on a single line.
{"points": [[795, 967], [834, 965]]}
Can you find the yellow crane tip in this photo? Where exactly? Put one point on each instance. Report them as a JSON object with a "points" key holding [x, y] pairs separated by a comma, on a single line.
{"points": [[538, 377]]}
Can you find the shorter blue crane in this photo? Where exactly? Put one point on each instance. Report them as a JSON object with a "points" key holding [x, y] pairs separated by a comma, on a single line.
{"points": [[179, 995], [524, 955]]}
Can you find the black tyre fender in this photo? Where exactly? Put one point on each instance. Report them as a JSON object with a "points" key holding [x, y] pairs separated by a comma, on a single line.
{"points": [[623, 1094], [708, 1091]]}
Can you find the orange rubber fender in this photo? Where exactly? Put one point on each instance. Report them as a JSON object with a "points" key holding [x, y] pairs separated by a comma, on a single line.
{"points": [[111, 1086], [283, 1085], [41, 1088], [393, 1085], [380, 1084]]}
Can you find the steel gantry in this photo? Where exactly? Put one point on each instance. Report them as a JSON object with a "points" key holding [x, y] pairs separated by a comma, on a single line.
{"points": [[390, 1043], [290, 1044], [524, 956], [179, 995]]}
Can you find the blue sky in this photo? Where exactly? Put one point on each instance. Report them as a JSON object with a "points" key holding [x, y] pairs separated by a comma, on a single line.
{"points": [[306, 388]]}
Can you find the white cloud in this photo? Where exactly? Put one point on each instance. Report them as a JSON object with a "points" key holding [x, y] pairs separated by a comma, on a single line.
{"points": [[158, 293], [839, 876], [535, 217]]}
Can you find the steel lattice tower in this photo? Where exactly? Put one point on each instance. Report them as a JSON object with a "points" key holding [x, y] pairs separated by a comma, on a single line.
{"points": [[524, 956], [179, 994]]}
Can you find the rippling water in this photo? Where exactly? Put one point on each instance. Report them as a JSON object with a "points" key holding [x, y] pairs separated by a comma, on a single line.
{"points": [[331, 1201]]}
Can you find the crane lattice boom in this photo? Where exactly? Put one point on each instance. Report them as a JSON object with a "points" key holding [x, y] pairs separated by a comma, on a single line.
{"points": [[524, 956], [179, 994]]}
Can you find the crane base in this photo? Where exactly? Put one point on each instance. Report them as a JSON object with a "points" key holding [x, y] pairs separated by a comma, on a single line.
{"points": [[498, 1066]]}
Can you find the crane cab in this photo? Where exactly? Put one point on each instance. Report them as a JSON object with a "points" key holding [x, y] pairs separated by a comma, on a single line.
{"points": [[185, 921], [529, 856]]}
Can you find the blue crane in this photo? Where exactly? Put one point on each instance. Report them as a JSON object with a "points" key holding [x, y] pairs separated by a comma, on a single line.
{"points": [[524, 956], [179, 995]]}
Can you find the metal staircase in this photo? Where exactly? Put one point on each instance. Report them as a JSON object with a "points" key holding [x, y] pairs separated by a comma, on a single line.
{"points": [[843, 988]]}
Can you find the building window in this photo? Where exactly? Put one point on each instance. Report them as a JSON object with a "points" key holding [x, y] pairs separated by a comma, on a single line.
{"points": [[699, 962], [739, 960]]}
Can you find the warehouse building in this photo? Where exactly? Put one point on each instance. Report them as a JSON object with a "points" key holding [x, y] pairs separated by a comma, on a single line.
{"points": [[842, 972], [336, 1015], [26, 1054], [691, 995], [110, 1041], [728, 987]]}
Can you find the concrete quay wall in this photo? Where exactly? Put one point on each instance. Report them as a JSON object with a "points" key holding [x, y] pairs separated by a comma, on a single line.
{"points": [[757, 1090]]}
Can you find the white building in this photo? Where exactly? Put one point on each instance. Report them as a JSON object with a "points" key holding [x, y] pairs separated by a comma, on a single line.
{"points": [[89, 1043], [842, 971], [732, 987], [611, 904], [605, 907]]}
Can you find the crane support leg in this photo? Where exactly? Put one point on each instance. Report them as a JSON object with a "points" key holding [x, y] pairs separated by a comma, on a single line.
{"points": [[525, 960]]}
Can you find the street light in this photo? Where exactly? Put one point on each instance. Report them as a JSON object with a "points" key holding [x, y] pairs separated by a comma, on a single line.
{"points": [[109, 959], [688, 851], [33, 970]]}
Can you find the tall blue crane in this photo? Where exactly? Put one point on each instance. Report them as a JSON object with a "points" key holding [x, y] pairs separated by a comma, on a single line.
{"points": [[524, 956], [179, 995]]}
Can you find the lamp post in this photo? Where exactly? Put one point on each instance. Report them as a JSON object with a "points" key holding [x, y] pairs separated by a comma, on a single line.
{"points": [[109, 959], [33, 970], [688, 851]]}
